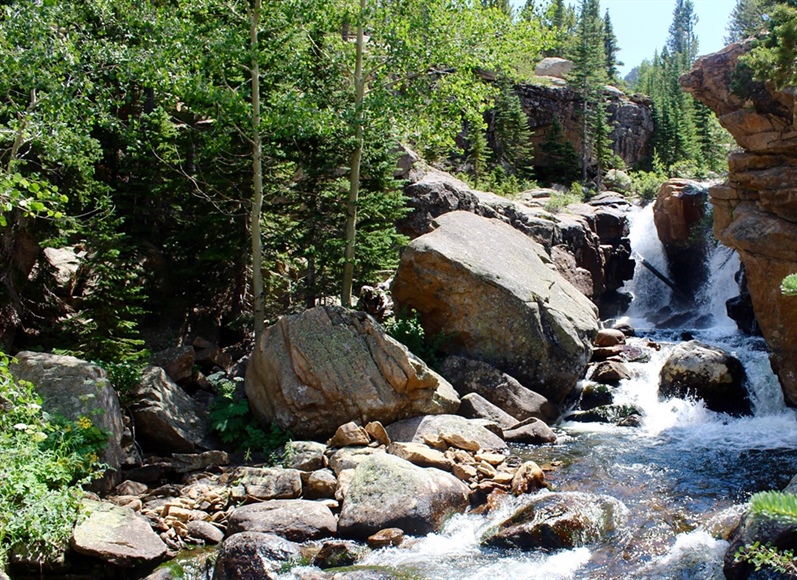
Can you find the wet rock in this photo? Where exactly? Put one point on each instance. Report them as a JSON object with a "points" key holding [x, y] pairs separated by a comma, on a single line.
{"points": [[594, 395], [296, 375], [414, 430], [337, 554], [623, 415], [254, 556], [532, 431], [297, 520], [766, 530], [609, 337], [610, 372], [559, 521], [528, 478], [387, 491], [474, 406], [500, 389], [167, 419], [305, 455], [706, 373], [502, 312], [116, 535], [386, 537]]}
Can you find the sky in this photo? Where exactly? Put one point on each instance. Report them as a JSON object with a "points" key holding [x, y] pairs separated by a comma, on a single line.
{"points": [[641, 26]]}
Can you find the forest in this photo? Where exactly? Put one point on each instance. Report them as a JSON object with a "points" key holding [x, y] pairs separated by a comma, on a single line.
{"points": [[216, 164]]}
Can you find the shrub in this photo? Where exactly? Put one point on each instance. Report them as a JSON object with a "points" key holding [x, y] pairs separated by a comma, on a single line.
{"points": [[43, 463], [781, 506], [646, 184], [407, 329], [232, 419], [559, 201]]}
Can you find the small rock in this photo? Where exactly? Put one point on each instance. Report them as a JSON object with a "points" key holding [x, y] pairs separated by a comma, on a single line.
{"points": [[532, 431], [610, 372], [321, 484], [386, 537], [344, 481], [133, 488], [528, 478], [494, 459], [460, 441], [464, 472], [349, 435], [377, 432], [609, 337], [337, 554], [205, 531], [305, 455], [474, 406], [421, 455]]}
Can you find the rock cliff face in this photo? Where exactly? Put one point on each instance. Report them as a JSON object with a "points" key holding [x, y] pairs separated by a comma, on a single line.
{"points": [[755, 212], [632, 119]]}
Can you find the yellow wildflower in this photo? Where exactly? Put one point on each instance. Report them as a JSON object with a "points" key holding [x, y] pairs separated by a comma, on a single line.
{"points": [[84, 422]]}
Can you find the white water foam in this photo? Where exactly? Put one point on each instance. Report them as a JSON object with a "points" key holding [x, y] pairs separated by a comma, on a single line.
{"points": [[695, 555]]}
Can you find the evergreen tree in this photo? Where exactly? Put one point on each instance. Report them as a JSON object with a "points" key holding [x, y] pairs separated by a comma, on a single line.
{"points": [[748, 18], [561, 19], [682, 41], [611, 49], [589, 78], [560, 156], [512, 146]]}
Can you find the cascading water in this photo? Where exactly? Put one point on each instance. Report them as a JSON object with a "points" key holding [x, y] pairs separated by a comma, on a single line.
{"points": [[683, 474]]}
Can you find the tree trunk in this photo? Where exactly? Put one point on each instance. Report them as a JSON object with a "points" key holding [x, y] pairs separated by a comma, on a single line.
{"points": [[354, 169], [257, 180]]}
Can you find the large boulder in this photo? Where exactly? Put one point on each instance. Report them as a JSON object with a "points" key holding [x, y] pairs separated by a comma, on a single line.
{"points": [[678, 215], [167, 418], [254, 556], [297, 520], [559, 521], [513, 312], [471, 376], [116, 535], [417, 429], [75, 388], [314, 371], [553, 66], [755, 211], [708, 373], [389, 492]]}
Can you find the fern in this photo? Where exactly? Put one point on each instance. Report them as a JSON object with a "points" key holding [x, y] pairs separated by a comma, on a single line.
{"points": [[775, 504]]}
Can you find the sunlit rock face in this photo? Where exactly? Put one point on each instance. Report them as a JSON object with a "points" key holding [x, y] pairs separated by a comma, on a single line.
{"points": [[755, 211]]}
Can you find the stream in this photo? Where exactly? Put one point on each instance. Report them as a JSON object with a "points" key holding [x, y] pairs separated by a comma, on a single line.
{"points": [[684, 474]]}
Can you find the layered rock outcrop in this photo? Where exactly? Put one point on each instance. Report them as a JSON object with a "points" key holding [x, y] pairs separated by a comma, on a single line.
{"points": [[588, 243], [487, 287], [755, 211], [631, 117]]}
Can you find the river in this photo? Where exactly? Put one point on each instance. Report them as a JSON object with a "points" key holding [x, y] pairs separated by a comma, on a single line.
{"points": [[683, 475]]}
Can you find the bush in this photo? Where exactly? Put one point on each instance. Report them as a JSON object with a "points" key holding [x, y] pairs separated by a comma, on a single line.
{"points": [[781, 506], [646, 184], [559, 201], [44, 461], [407, 329], [232, 419]]}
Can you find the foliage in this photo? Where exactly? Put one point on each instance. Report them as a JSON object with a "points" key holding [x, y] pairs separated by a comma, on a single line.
{"points": [[773, 58], [646, 184], [789, 285], [231, 417], [512, 137], [43, 462], [407, 329], [561, 157], [748, 18], [124, 377], [610, 49], [767, 556], [559, 201], [775, 504]]}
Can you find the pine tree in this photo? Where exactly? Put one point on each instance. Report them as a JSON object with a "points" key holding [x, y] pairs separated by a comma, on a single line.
{"points": [[747, 19], [589, 78], [682, 40], [610, 48], [512, 147]]}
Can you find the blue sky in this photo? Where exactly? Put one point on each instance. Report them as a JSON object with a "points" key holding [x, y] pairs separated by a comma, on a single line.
{"points": [[641, 26]]}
